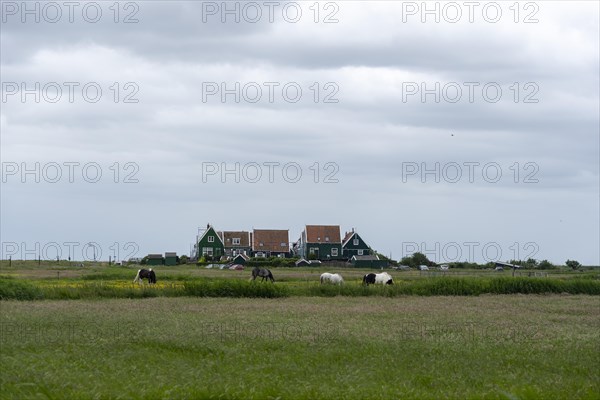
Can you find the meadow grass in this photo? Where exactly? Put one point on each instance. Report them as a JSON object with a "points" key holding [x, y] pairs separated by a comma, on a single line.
{"points": [[115, 287], [344, 347]]}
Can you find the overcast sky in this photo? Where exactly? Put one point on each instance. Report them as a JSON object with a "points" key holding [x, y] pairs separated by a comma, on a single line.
{"points": [[498, 104]]}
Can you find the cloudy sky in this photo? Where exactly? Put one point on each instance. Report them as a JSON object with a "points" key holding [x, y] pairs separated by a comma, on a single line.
{"points": [[465, 132]]}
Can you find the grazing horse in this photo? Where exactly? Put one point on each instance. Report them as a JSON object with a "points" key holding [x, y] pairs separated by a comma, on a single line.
{"points": [[143, 274], [263, 273], [335, 279], [382, 278]]}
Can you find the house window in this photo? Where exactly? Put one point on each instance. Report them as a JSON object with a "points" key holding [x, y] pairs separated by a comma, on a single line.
{"points": [[312, 250], [211, 239], [334, 252], [207, 251], [360, 252], [327, 238], [355, 242], [261, 244], [236, 241], [283, 244]]}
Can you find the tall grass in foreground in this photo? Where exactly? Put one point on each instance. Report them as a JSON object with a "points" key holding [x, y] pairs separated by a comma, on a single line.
{"points": [[233, 288], [443, 286]]}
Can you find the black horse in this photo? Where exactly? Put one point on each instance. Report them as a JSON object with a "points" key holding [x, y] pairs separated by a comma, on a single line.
{"points": [[145, 274], [263, 273]]}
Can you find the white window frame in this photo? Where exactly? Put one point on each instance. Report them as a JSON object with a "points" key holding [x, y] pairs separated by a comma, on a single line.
{"points": [[355, 242], [211, 239], [360, 252], [235, 241], [334, 252]]}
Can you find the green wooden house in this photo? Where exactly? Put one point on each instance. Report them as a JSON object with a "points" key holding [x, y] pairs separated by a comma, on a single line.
{"points": [[354, 245], [320, 242], [210, 245]]}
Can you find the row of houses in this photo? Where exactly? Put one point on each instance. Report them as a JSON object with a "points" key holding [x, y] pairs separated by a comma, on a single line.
{"points": [[316, 242]]}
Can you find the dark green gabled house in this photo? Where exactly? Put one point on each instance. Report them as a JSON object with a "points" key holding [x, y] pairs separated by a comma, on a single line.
{"points": [[354, 245], [210, 245]]}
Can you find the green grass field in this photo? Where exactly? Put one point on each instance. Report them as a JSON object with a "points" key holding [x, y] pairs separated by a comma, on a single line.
{"points": [[496, 347], [300, 346]]}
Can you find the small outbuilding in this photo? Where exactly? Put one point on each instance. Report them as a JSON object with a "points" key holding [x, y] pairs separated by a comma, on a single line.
{"points": [[370, 261], [155, 259], [171, 258], [240, 259], [302, 263]]}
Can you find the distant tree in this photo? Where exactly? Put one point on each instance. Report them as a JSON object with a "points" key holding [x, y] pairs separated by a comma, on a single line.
{"points": [[144, 260], [545, 264], [421, 259], [415, 260], [183, 259], [572, 264], [531, 263]]}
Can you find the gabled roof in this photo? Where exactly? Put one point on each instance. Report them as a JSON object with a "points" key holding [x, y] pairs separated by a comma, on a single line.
{"points": [[271, 240], [503, 264], [208, 228], [245, 257], [228, 236], [350, 235], [155, 256], [367, 258], [320, 234], [171, 254]]}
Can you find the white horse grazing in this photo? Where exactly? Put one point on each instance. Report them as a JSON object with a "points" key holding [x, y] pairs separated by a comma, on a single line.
{"points": [[335, 279]]}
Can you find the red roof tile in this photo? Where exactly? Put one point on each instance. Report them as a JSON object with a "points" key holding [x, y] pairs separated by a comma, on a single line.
{"points": [[323, 234], [271, 240]]}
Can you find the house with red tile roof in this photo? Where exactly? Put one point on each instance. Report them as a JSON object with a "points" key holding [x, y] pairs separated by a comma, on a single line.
{"points": [[320, 242], [270, 243]]}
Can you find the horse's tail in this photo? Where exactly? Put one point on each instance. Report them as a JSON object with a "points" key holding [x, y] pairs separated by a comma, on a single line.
{"points": [[321, 279], [137, 276], [365, 280], [152, 276], [271, 276]]}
